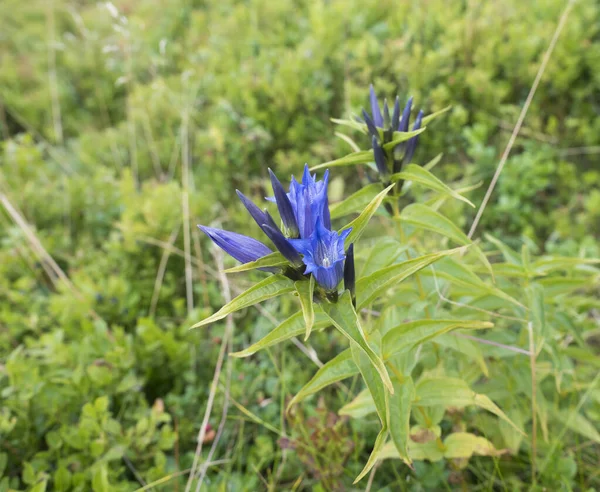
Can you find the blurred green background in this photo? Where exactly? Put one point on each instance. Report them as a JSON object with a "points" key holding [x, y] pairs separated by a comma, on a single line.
{"points": [[113, 116]]}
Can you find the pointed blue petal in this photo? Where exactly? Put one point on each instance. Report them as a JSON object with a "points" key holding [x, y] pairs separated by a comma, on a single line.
{"points": [[284, 206], [412, 143], [370, 125], [403, 125], [379, 158], [283, 245], [349, 273], [375, 111], [396, 113], [242, 248]]}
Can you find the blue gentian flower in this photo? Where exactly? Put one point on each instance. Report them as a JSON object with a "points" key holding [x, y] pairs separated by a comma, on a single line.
{"points": [[242, 248], [403, 152], [323, 255], [309, 201]]}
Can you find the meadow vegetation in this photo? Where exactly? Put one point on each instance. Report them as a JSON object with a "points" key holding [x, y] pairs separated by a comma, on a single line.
{"points": [[125, 124]]}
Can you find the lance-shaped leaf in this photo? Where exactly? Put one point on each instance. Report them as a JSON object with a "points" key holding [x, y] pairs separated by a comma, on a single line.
{"points": [[454, 392], [374, 456], [272, 286], [291, 327], [380, 397], [355, 202], [360, 406], [273, 260], [432, 116], [368, 288], [418, 174], [358, 225], [456, 445], [458, 274], [361, 157], [355, 123], [400, 137], [409, 335], [340, 367], [305, 291], [424, 217], [466, 347], [344, 318], [400, 406]]}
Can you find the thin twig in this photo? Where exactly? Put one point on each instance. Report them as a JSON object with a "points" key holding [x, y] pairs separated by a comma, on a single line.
{"points": [[185, 200], [211, 395], [52, 78], [137, 476], [372, 476], [490, 342], [513, 137], [162, 267], [533, 402], [218, 255]]}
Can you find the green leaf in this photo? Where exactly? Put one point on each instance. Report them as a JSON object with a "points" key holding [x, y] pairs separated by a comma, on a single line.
{"points": [[432, 116], [368, 288], [465, 347], [340, 367], [418, 174], [360, 406], [100, 481], [458, 274], [377, 447], [305, 291], [344, 318], [578, 423], [355, 202], [373, 381], [409, 335], [362, 157], [547, 265], [465, 445], [400, 406], [40, 486], [454, 392], [272, 286], [535, 295], [424, 217], [400, 137], [358, 225], [291, 327], [273, 260], [509, 254], [62, 479], [351, 123]]}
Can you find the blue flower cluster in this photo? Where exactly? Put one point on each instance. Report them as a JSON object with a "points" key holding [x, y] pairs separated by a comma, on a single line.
{"points": [[403, 152], [306, 239]]}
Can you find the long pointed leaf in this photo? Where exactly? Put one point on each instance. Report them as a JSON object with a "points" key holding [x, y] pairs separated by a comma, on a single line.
{"points": [[355, 202], [377, 447], [400, 406], [408, 335], [358, 225], [291, 327], [454, 392], [340, 367], [305, 293], [368, 288], [344, 318], [272, 286], [273, 260], [418, 174]]}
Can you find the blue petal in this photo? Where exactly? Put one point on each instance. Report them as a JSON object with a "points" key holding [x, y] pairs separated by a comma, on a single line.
{"points": [[283, 245], [375, 111], [412, 143], [284, 206], [370, 125], [242, 248], [403, 126]]}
